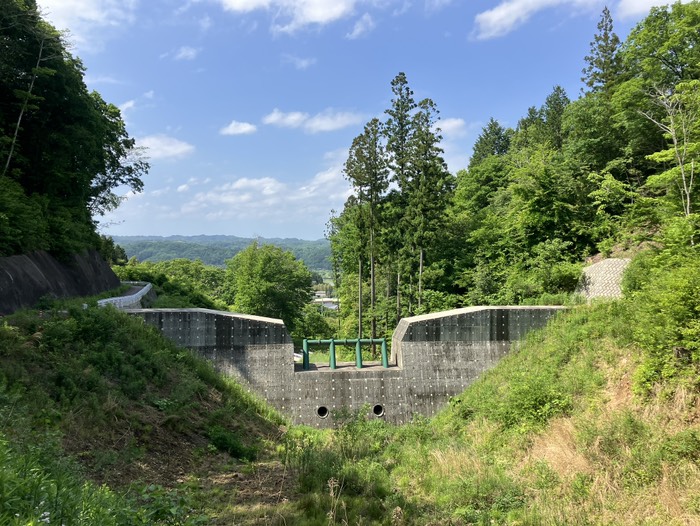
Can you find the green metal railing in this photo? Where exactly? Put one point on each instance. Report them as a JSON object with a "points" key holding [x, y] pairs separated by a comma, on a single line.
{"points": [[331, 346]]}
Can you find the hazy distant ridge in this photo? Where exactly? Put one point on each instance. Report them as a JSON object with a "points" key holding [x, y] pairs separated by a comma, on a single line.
{"points": [[216, 249]]}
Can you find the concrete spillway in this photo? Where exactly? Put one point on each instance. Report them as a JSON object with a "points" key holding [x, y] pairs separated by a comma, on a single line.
{"points": [[434, 357]]}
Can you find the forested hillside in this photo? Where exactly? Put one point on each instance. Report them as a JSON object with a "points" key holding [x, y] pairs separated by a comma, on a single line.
{"points": [[603, 172], [594, 420], [63, 149], [215, 250]]}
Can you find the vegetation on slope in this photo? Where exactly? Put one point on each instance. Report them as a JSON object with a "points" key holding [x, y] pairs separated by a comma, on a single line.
{"points": [[93, 396], [63, 149], [594, 420], [215, 250]]}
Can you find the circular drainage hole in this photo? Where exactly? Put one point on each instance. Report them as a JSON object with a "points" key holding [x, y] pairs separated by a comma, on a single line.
{"points": [[322, 411], [378, 410]]}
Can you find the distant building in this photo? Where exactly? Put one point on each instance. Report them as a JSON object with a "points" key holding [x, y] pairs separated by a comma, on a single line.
{"points": [[326, 303]]}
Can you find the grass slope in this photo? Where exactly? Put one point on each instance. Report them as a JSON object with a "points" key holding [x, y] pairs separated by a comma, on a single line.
{"points": [[553, 435], [594, 420], [92, 399]]}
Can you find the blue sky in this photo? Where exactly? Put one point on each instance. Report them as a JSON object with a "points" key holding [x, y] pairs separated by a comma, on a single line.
{"points": [[247, 107]]}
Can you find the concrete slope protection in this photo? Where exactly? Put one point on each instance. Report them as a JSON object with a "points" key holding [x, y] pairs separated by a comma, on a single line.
{"points": [[25, 279]]}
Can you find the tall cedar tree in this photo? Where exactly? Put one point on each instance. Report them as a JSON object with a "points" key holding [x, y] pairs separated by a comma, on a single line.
{"points": [[430, 188], [494, 139], [399, 130], [366, 168], [603, 64]]}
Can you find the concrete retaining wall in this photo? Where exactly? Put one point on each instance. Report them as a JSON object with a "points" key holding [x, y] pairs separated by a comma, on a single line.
{"points": [[27, 278], [434, 357], [132, 301]]}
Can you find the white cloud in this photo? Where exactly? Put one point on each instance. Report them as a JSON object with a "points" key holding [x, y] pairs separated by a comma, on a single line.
{"points": [[299, 62], [331, 120], [238, 128], [293, 119], [453, 127], [186, 53], [510, 14], [160, 191], [149, 94], [87, 19], [363, 26], [205, 23], [100, 79], [435, 5], [266, 197], [630, 8], [245, 6], [128, 105], [295, 14], [458, 136], [183, 188], [327, 120], [165, 147]]}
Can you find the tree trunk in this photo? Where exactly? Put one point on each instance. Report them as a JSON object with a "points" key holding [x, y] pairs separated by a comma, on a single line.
{"points": [[420, 279], [24, 108], [359, 297], [398, 296], [372, 289]]}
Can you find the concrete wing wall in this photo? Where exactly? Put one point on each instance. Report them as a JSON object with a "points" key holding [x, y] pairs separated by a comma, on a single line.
{"points": [[434, 357], [441, 354], [255, 350]]}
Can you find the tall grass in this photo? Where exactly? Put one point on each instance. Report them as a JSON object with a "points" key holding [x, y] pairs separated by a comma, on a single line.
{"points": [[555, 434], [90, 395]]}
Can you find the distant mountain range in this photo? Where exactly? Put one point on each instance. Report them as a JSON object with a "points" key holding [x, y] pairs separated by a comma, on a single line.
{"points": [[215, 250]]}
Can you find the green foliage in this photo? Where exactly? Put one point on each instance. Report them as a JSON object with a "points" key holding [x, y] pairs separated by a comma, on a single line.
{"points": [[98, 376], [215, 250], [225, 440], [179, 283], [603, 64], [313, 324], [63, 150], [266, 280], [664, 308], [38, 485]]}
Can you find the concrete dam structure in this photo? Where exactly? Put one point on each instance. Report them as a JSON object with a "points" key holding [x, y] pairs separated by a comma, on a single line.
{"points": [[433, 357]]}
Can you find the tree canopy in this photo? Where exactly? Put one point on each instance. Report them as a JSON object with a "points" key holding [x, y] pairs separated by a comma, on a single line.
{"points": [[63, 149], [607, 171], [266, 280]]}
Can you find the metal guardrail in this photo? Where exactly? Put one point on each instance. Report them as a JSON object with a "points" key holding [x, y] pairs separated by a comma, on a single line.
{"points": [[331, 345]]}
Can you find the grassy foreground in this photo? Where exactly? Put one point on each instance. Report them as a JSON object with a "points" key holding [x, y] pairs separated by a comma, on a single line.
{"points": [[595, 420]]}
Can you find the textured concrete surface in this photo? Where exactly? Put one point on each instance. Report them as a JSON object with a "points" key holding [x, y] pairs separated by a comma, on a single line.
{"points": [[433, 358], [603, 279], [134, 297], [27, 278]]}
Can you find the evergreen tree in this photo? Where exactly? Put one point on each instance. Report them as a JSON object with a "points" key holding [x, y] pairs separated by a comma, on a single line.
{"points": [[603, 63], [494, 139], [430, 188], [366, 168]]}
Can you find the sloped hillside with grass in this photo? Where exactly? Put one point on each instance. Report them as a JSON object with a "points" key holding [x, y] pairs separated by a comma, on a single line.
{"points": [[595, 420], [102, 421]]}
